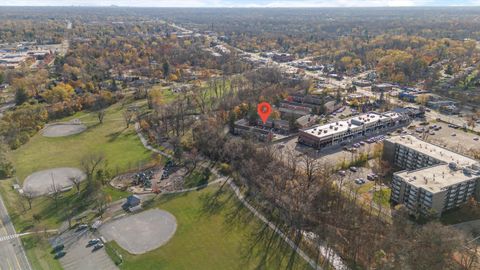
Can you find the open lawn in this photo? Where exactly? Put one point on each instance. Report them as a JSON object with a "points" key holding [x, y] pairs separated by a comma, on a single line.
{"points": [[214, 231], [44, 212], [382, 197], [38, 253], [121, 146]]}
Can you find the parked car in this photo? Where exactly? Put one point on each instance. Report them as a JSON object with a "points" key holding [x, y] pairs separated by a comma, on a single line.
{"points": [[82, 227], [93, 241], [57, 248], [342, 173], [453, 134], [353, 169], [476, 138], [97, 246], [60, 254], [359, 181]]}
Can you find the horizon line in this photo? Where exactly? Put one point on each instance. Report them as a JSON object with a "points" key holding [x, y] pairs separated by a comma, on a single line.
{"points": [[245, 7]]}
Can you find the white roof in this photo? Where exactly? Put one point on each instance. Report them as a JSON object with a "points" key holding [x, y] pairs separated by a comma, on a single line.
{"points": [[436, 178], [354, 123], [433, 150], [440, 176]]}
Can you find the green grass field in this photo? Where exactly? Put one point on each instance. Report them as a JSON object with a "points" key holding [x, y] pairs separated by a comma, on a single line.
{"points": [[38, 253], [121, 147], [214, 232], [382, 197]]}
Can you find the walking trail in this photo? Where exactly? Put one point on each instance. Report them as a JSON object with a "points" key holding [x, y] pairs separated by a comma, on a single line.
{"points": [[333, 258]]}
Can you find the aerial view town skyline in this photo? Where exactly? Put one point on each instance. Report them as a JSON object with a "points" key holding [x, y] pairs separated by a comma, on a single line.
{"points": [[213, 134]]}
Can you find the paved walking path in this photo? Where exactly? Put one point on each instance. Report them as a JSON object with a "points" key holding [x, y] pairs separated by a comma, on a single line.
{"points": [[17, 235], [336, 262], [257, 214], [145, 142]]}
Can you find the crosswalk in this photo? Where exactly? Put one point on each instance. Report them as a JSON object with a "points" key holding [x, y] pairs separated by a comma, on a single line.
{"points": [[8, 237]]}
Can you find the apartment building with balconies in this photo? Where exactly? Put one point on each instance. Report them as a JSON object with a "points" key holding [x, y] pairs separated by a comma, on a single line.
{"points": [[433, 179]]}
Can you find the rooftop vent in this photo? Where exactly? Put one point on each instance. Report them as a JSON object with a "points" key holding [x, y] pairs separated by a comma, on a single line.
{"points": [[452, 165]]}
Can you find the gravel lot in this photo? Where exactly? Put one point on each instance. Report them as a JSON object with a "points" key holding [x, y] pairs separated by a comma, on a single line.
{"points": [[62, 130], [41, 182], [141, 232]]}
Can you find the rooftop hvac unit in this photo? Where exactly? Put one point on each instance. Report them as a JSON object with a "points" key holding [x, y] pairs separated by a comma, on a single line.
{"points": [[452, 165]]}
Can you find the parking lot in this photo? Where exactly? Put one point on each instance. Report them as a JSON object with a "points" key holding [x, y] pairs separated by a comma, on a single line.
{"points": [[80, 256], [330, 156], [455, 139]]}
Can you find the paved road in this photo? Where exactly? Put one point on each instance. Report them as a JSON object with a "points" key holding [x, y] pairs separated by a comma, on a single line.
{"points": [[12, 254]]}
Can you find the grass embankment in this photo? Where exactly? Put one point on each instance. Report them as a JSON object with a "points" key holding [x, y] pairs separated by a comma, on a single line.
{"points": [[214, 232], [198, 178], [45, 213], [121, 146], [38, 253], [382, 197]]}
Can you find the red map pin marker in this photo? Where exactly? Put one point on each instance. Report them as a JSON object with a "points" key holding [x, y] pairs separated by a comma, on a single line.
{"points": [[264, 110]]}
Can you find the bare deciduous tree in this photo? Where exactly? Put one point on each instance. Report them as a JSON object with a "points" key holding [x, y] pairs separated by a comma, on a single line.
{"points": [[76, 180], [90, 163], [101, 203], [29, 195], [101, 115], [127, 117], [54, 192]]}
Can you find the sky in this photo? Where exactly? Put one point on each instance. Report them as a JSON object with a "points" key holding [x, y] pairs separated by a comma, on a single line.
{"points": [[242, 3]]}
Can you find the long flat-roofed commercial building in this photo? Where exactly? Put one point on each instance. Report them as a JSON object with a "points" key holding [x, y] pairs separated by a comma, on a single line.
{"points": [[434, 179], [334, 133]]}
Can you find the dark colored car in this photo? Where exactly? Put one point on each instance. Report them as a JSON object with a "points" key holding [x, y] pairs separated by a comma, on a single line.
{"points": [[97, 246], [60, 254]]}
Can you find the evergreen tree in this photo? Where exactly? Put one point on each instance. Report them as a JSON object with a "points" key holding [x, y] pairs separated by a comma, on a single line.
{"points": [[21, 96]]}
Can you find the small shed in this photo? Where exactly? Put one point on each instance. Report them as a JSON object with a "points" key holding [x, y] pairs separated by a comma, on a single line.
{"points": [[132, 201]]}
